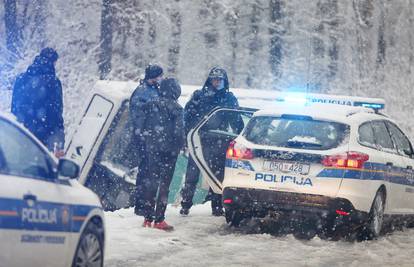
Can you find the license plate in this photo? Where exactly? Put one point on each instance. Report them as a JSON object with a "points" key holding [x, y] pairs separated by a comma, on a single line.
{"points": [[286, 167]]}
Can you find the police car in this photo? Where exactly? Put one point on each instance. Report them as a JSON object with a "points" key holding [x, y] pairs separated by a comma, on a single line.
{"points": [[330, 165], [46, 217]]}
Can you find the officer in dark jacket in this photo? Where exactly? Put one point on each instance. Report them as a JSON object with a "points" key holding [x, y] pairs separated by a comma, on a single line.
{"points": [[147, 91], [162, 130], [37, 101], [215, 93]]}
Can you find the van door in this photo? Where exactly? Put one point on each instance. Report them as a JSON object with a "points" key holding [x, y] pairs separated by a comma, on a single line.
{"points": [[209, 140], [90, 127]]}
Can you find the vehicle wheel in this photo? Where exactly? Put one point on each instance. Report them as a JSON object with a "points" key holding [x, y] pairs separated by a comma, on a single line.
{"points": [[89, 252], [306, 230], [375, 223], [233, 217]]}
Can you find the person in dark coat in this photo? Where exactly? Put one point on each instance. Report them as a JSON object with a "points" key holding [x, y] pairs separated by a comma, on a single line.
{"points": [[147, 91], [162, 130], [37, 101], [215, 93]]}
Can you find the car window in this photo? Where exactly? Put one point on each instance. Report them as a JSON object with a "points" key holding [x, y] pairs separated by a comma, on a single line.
{"points": [[21, 156], [382, 137], [366, 135], [296, 133], [400, 140]]}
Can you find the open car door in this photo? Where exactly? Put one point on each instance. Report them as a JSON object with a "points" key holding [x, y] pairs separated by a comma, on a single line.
{"points": [[209, 140]]}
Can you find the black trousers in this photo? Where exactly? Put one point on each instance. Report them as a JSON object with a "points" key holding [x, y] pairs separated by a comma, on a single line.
{"points": [[140, 161], [159, 172], [187, 192]]}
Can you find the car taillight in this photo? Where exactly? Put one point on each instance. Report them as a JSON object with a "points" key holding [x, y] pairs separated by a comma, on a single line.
{"points": [[238, 151], [350, 159]]}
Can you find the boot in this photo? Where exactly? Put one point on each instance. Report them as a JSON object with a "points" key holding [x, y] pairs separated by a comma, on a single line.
{"points": [[147, 223], [184, 211], [218, 211], [163, 226]]}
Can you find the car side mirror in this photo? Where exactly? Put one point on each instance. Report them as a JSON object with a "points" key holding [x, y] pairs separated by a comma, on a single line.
{"points": [[68, 168]]}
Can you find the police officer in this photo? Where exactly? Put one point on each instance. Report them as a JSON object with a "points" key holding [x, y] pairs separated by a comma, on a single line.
{"points": [[147, 91], [215, 93]]}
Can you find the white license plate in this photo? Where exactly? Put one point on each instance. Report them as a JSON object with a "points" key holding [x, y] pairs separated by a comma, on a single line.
{"points": [[286, 167]]}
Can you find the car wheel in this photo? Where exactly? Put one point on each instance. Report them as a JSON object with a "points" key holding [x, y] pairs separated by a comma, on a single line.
{"points": [[305, 230], [376, 217], [233, 217], [89, 252]]}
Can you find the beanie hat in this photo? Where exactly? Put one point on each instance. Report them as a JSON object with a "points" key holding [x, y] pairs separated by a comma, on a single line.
{"points": [[49, 54], [170, 88], [152, 72], [217, 73]]}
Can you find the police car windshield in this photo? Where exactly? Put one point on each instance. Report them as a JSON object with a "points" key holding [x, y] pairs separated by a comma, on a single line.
{"points": [[302, 133]]}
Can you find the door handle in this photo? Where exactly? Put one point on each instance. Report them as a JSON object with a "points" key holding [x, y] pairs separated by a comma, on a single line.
{"points": [[389, 164], [29, 197]]}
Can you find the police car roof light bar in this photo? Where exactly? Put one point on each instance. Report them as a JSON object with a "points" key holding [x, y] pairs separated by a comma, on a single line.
{"points": [[302, 99]]}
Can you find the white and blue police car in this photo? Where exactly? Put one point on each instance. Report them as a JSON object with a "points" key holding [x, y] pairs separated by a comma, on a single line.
{"points": [[330, 165], [47, 218]]}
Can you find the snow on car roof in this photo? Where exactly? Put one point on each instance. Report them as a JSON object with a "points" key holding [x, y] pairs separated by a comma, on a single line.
{"points": [[122, 90], [331, 112], [118, 91]]}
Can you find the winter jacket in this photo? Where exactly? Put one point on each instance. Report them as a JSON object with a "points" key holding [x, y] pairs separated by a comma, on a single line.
{"points": [[162, 126], [37, 102], [142, 95], [205, 100]]}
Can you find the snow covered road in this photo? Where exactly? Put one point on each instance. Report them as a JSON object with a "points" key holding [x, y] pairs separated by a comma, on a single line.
{"points": [[203, 240]]}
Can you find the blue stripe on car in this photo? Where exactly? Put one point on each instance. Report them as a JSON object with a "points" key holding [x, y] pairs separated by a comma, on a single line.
{"points": [[372, 171], [18, 214]]}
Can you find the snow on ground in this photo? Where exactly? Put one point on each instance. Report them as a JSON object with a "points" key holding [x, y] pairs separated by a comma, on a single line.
{"points": [[203, 240]]}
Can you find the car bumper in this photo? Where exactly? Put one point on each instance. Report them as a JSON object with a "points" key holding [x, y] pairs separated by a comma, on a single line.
{"points": [[335, 210]]}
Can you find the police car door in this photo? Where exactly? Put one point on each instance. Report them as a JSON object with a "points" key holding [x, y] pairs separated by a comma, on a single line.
{"points": [[209, 140], [405, 189], [33, 219]]}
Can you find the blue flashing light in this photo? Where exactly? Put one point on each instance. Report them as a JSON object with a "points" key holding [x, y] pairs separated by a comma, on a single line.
{"points": [[368, 105], [375, 106], [298, 100]]}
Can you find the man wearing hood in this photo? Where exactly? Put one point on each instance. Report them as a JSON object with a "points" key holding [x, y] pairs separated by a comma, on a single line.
{"points": [[215, 93], [37, 101], [162, 130], [148, 90]]}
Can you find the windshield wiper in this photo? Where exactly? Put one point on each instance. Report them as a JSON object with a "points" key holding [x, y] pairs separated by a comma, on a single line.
{"points": [[302, 144]]}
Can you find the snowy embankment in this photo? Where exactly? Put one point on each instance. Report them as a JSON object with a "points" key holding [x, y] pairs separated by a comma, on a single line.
{"points": [[203, 240]]}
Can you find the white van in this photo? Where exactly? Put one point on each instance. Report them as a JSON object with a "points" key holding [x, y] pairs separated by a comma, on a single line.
{"points": [[100, 144]]}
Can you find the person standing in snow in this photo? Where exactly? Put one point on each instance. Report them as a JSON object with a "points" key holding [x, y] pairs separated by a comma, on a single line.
{"points": [[37, 101], [215, 93], [162, 130], [147, 91]]}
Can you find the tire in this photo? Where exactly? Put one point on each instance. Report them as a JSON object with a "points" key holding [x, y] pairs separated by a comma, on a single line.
{"points": [[89, 251], [305, 230], [374, 226], [233, 217]]}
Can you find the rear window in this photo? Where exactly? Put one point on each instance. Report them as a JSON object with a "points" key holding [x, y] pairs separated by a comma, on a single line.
{"points": [[296, 132]]}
